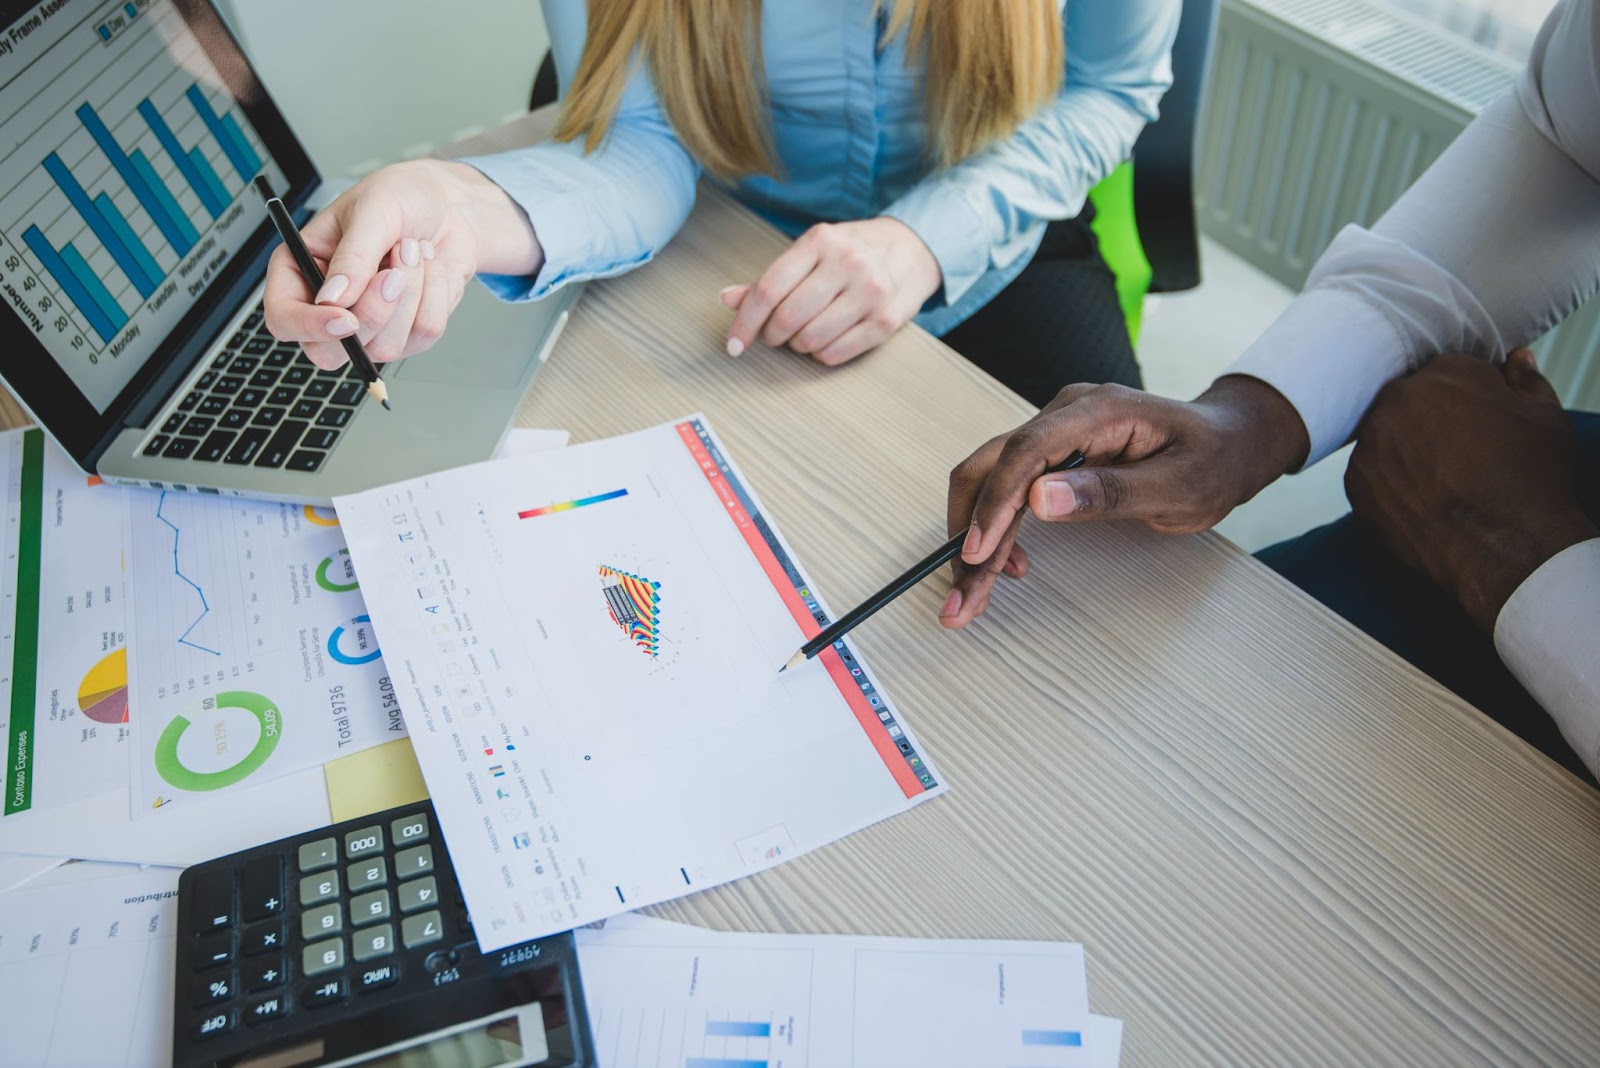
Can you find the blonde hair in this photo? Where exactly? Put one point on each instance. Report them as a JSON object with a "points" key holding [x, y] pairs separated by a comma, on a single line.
{"points": [[990, 65]]}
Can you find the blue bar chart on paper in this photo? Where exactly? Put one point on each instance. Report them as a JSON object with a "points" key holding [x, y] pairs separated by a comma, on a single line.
{"points": [[124, 185]]}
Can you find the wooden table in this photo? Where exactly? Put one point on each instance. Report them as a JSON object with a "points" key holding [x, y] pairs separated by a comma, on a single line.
{"points": [[1278, 843]]}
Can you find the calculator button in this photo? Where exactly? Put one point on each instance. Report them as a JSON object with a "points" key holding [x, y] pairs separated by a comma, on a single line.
{"points": [[367, 874], [369, 908], [323, 994], [323, 957], [421, 929], [213, 950], [372, 942], [327, 920], [408, 830], [213, 989], [218, 1023], [213, 900], [315, 889], [323, 853], [262, 938], [418, 894], [261, 888], [264, 974], [363, 843], [264, 1010], [409, 862], [377, 978]]}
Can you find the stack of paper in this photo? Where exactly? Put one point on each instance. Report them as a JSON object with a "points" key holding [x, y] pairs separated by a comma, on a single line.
{"points": [[662, 993], [218, 650]]}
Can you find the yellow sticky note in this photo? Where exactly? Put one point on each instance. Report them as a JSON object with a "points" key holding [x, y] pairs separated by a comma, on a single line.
{"points": [[375, 779]]}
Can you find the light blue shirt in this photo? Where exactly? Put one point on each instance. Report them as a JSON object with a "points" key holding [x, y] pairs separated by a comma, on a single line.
{"points": [[849, 123]]}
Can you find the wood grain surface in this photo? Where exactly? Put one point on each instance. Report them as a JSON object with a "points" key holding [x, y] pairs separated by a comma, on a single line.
{"points": [[1278, 843]]}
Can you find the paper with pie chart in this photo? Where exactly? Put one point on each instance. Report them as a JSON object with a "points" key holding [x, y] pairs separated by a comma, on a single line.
{"points": [[63, 664], [252, 654]]}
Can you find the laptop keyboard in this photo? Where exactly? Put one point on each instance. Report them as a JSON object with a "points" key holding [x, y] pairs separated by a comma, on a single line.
{"points": [[261, 403]]}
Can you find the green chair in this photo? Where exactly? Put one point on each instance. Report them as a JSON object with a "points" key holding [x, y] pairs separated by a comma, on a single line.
{"points": [[1144, 211]]}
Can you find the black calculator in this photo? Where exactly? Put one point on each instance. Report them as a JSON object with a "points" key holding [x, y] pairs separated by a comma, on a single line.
{"points": [[352, 946]]}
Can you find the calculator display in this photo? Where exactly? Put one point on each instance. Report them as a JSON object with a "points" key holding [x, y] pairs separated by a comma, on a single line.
{"points": [[504, 1040]]}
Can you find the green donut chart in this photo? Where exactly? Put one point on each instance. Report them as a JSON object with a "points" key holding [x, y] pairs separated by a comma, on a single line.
{"points": [[170, 765], [327, 583]]}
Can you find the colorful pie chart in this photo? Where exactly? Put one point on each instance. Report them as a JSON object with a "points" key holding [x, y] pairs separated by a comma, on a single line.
{"points": [[103, 697]]}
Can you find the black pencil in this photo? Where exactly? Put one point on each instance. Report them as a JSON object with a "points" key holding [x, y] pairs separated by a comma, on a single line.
{"points": [[302, 257], [919, 571]]}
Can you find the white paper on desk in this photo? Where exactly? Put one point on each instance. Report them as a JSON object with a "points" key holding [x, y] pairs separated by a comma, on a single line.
{"points": [[586, 646], [19, 869], [251, 654], [521, 441], [86, 967], [61, 631], [669, 994]]}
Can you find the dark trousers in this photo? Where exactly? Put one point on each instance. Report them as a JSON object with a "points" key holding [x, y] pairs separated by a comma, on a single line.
{"points": [[1347, 568], [1057, 323]]}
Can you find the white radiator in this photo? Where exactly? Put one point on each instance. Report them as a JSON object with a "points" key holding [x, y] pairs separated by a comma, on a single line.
{"points": [[1319, 113]]}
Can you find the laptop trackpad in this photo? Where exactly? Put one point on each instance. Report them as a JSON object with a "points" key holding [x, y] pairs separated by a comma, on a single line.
{"points": [[486, 343]]}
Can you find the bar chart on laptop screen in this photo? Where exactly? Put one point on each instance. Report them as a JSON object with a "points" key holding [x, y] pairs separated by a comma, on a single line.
{"points": [[122, 185]]}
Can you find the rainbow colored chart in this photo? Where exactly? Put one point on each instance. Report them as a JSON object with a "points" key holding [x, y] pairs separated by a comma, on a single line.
{"points": [[635, 605], [567, 506]]}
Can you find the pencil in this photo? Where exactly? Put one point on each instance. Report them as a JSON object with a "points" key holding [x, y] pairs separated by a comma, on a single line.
{"points": [[308, 267], [919, 571]]}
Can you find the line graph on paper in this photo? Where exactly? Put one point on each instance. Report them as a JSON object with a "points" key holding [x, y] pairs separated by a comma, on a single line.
{"points": [[202, 582]]}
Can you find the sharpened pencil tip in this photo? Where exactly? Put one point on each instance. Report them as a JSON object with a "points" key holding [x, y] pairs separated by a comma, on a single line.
{"points": [[386, 405], [794, 661]]}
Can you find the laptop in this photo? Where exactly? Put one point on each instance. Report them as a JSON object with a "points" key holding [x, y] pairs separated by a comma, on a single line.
{"points": [[132, 254]]}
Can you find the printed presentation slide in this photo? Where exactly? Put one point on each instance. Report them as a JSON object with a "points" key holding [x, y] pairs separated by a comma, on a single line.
{"points": [[586, 647]]}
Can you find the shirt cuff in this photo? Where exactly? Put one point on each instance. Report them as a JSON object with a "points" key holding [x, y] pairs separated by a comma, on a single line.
{"points": [[1545, 635], [1329, 354], [952, 229], [562, 220]]}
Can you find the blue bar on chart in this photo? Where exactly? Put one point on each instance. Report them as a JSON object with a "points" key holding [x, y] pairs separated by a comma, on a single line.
{"points": [[188, 237], [228, 135], [216, 190], [85, 290], [142, 191], [722, 1062], [197, 172], [737, 1029], [1052, 1038], [108, 236], [120, 227]]}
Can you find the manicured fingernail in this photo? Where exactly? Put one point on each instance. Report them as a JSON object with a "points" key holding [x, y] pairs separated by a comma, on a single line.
{"points": [[394, 284], [952, 605], [427, 249], [332, 289], [344, 326], [410, 252], [974, 539], [1059, 498], [735, 347]]}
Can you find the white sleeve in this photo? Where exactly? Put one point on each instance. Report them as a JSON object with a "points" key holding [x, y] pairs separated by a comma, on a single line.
{"points": [[1496, 243], [1547, 636]]}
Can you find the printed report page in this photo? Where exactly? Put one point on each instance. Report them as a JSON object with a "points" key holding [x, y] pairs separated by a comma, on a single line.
{"points": [[585, 646]]}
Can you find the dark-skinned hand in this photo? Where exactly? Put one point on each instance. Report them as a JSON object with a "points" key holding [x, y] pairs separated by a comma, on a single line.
{"points": [[1468, 472], [1177, 466]]}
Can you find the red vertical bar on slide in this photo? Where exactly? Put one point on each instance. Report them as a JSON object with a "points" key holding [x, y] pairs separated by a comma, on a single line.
{"points": [[864, 712]]}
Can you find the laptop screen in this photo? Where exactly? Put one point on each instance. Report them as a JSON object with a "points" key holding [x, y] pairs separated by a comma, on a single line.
{"points": [[125, 169]]}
